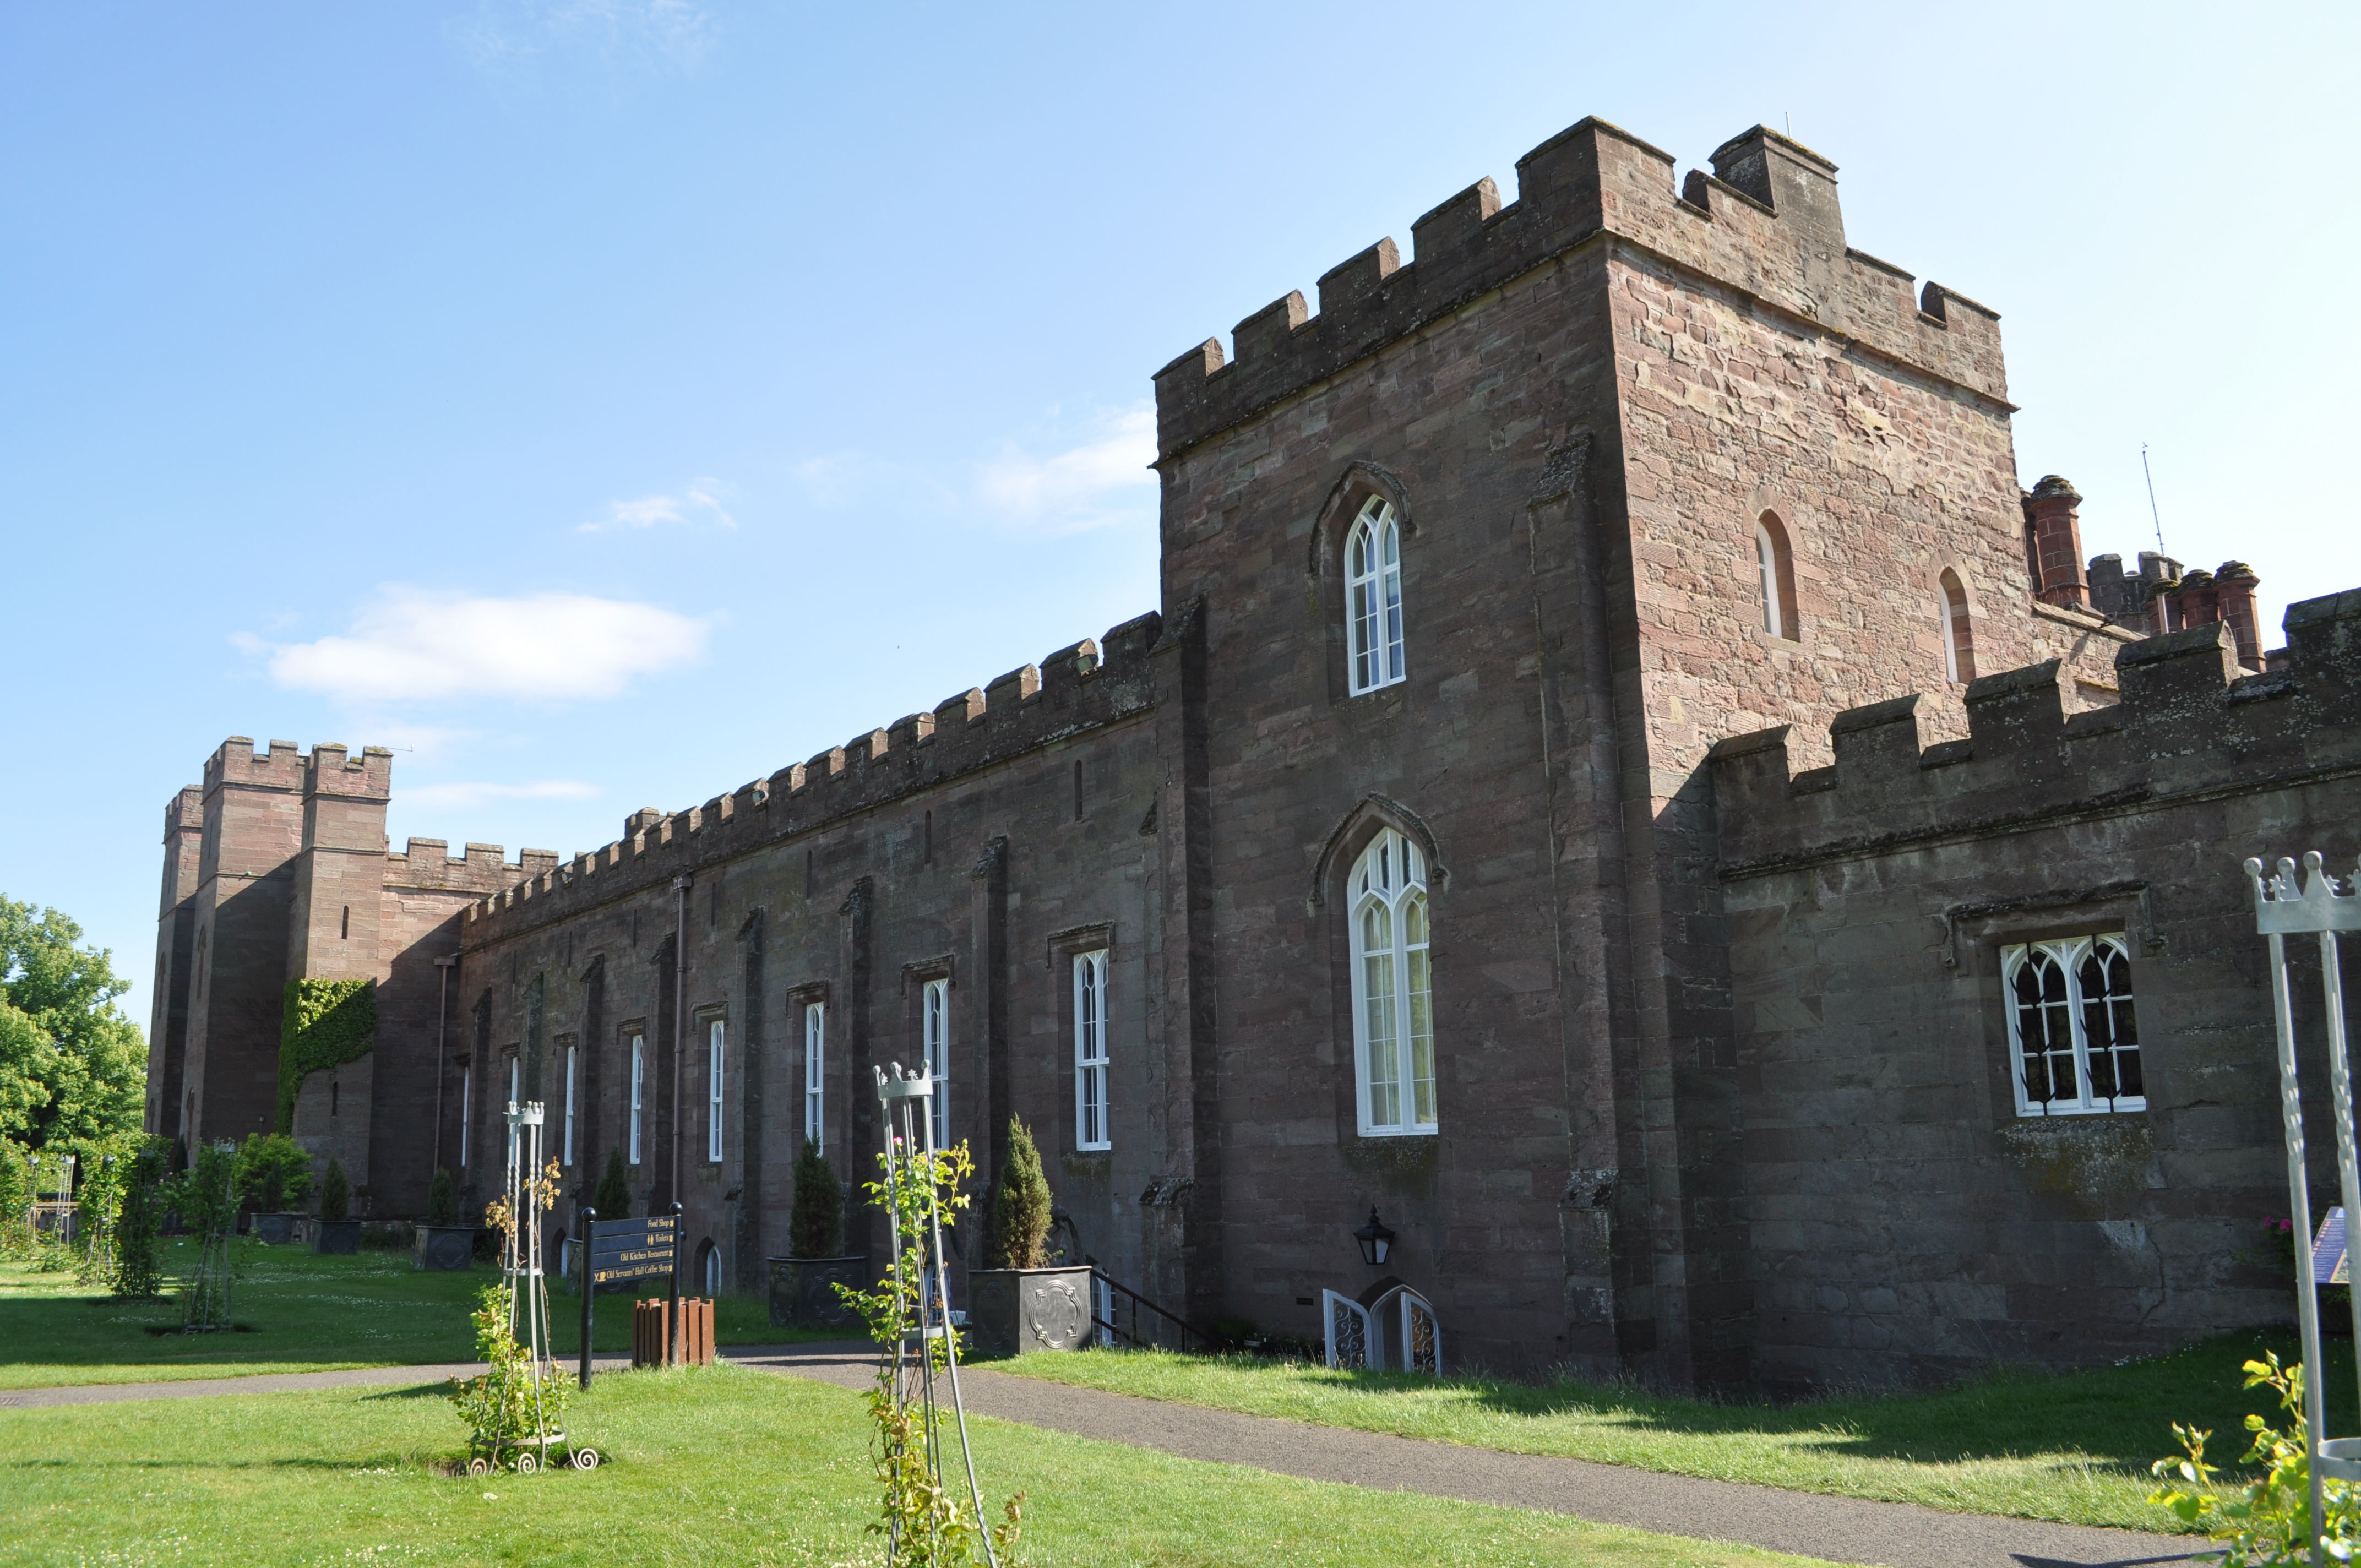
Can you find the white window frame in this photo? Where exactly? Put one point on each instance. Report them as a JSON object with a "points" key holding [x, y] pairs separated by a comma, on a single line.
{"points": [[1766, 566], [466, 1110], [935, 1039], [716, 1056], [816, 1074], [1395, 1089], [571, 1052], [1092, 1106], [639, 1086], [516, 1078], [1373, 598], [2069, 953]]}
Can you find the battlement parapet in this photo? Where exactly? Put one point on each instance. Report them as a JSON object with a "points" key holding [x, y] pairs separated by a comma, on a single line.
{"points": [[428, 865], [185, 812], [1079, 688], [236, 763], [330, 771], [2191, 721], [1766, 221]]}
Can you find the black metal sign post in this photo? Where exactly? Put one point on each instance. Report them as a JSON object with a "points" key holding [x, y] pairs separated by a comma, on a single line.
{"points": [[677, 1341], [589, 1219], [626, 1249]]}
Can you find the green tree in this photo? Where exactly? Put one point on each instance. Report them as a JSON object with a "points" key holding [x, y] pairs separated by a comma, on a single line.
{"points": [[336, 1193], [613, 1199], [80, 1075], [274, 1174], [1020, 1204], [442, 1198], [816, 1223]]}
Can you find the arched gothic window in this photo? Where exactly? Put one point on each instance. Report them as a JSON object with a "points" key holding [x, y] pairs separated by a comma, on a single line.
{"points": [[1373, 604], [1776, 574], [1958, 634], [1393, 1013]]}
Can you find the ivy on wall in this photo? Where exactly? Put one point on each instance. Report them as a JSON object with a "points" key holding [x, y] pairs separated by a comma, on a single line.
{"points": [[327, 1021]]}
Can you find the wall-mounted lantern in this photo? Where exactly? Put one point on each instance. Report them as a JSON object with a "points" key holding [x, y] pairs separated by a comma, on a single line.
{"points": [[1375, 1239]]}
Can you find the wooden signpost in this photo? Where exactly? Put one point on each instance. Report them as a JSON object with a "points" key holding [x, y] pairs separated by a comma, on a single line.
{"points": [[627, 1249]]}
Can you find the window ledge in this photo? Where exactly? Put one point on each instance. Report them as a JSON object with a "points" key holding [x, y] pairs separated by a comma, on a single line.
{"points": [[2052, 1112], [1390, 1152]]}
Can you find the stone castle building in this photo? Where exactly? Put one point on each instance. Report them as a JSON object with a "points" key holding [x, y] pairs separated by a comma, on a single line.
{"points": [[1624, 781]]}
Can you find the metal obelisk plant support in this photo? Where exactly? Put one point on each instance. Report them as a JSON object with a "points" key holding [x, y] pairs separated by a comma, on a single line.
{"points": [[2282, 909], [520, 1265], [908, 1101]]}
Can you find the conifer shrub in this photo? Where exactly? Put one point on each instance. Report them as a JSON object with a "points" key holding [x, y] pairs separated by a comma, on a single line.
{"points": [[139, 1258], [1020, 1205], [613, 1199], [815, 1224], [442, 1198], [336, 1193], [274, 1174]]}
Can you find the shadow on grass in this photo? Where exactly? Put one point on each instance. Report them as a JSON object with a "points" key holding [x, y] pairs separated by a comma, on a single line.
{"points": [[2119, 1417]]}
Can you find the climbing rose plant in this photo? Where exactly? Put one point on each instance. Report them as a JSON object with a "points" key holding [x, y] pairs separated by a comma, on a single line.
{"points": [[924, 1525], [2270, 1527]]}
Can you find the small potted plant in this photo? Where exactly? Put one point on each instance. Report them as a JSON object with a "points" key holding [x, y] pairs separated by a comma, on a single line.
{"points": [[1015, 1306], [336, 1232], [440, 1241], [274, 1175], [803, 1294]]}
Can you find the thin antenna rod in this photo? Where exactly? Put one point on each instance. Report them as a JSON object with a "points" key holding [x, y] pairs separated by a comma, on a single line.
{"points": [[2151, 498]]}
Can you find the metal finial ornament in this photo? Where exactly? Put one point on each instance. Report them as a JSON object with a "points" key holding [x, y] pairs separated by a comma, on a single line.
{"points": [[2317, 908]]}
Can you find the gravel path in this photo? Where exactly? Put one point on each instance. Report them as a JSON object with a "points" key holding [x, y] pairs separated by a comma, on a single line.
{"points": [[1837, 1530]]}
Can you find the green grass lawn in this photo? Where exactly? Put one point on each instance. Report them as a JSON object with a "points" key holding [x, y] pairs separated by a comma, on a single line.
{"points": [[308, 1313], [711, 1466], [2074, 1447]]}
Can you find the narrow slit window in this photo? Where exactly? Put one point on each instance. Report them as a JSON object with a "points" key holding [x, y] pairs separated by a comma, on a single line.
{"points": [[2072, 1036], [467, 1111], [815, 1078], [639, 1088], [1959, 632], [1393, 1009], [1372, 596], [1776, 577], [570, 1055], [714, 1079], [1090, 1130], [934, 1016]]}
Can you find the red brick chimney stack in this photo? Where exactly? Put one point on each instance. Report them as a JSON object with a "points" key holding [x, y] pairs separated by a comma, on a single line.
{"points": [[2235, 582], [2056, 542], [2202, 598]]}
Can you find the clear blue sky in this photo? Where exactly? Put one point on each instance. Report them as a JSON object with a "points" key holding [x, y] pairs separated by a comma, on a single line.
{"points": [[605, 403]]}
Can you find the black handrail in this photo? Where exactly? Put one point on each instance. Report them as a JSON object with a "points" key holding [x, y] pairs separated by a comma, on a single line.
{"points": [[1172, 1328]]}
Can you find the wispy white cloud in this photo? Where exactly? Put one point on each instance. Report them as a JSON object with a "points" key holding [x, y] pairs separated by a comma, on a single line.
{"points": [[699, 501], [512, 39], [1102, 481], [412, 644], [459, 797]]}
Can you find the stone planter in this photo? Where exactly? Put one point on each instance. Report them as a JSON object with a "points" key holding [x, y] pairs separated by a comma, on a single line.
{"points": [[1018, 1311], [445, 1248], [278, 1230], [803, 1294], [340, 1236]]}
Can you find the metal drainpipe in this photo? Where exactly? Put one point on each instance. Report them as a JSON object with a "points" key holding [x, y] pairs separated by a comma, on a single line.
{"points": [[442, 1044], [676, 1345], [679, 1026]]}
